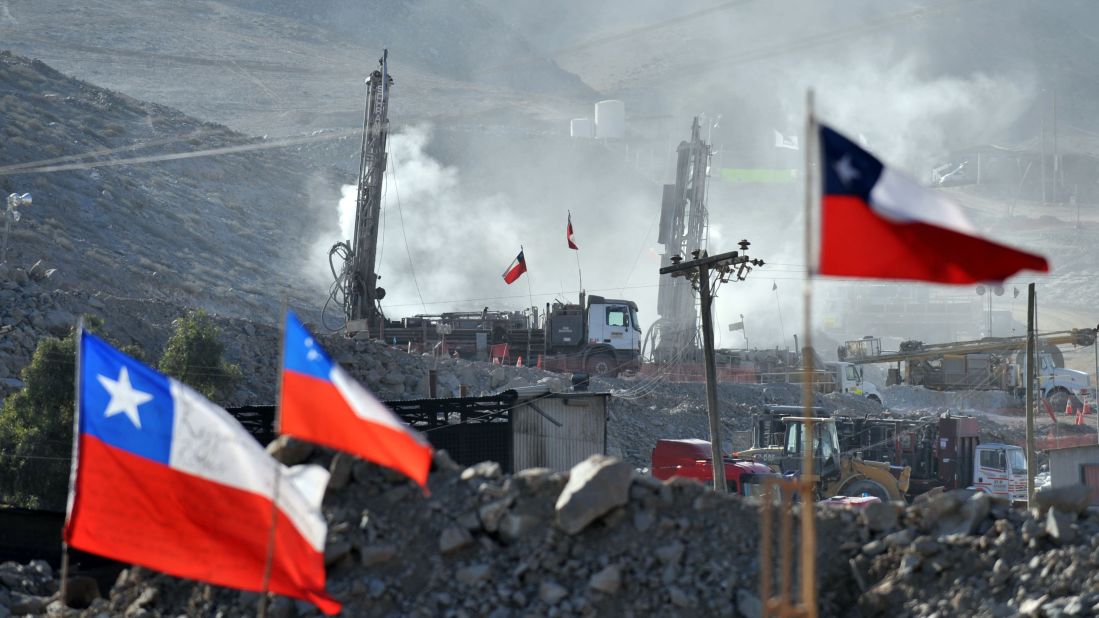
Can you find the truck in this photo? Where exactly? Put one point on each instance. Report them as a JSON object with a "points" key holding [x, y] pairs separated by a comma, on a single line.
{"points": [[598, 335], [993, 363], [691, 458], [778, 439], [943, 451]]}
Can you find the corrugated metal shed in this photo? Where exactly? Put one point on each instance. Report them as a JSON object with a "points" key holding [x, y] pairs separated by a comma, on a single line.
{"points": [[1075, 465], [557, 430]]}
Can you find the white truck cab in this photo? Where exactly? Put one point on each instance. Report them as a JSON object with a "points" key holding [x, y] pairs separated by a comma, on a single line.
{"points": [[849, 379], [1000, 470]]}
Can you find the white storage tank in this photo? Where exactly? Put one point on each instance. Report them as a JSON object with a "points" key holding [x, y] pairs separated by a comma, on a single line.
{"points": [[582, 127], [610, 119]]}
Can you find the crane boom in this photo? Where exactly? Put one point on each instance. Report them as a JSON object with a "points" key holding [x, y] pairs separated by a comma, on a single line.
{"points": [[868, 350], [362, 293]]}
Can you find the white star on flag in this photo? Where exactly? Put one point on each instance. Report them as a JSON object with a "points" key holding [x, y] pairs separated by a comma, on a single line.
{"points": [[124, 398], [846, 171]]}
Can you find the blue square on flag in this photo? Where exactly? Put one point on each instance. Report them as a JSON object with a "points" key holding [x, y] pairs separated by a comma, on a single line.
{"points": [[124, 403]]}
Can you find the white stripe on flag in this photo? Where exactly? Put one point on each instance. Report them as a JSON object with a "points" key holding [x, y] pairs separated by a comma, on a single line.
{"points": [[900, 199]]}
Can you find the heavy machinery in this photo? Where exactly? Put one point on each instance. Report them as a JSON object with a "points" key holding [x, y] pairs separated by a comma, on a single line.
{"points": [[673, 336], [356, 286], [993, 363], [599, 335], [691, 458], [779, 440]]}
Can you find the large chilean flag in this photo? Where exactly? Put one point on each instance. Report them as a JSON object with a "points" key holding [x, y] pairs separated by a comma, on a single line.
{"points": [[167, 480], [880, 224], [321, 403]]}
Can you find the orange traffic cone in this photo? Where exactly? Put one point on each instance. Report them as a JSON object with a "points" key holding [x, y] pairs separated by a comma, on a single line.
{"points": [[1080, 417], [1068, 408], [1087, 407], [519, 361]]}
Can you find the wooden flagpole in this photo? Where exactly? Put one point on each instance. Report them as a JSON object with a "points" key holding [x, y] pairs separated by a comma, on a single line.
{"points": [[808, 504], [261, 609]]}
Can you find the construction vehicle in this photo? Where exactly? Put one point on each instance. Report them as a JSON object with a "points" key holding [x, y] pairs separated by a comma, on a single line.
{"points": [[941, 451], [600, 336], [780, 439], [985, 364], [691, 458]]}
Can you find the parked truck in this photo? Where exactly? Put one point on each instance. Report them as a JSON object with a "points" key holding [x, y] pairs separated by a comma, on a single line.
{"points": [[598, 335], [690, 458], [993, 363]]}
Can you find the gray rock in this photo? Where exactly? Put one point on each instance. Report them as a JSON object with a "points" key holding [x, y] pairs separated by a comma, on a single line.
{"points": [[491, 513], [59, 322], [596, 485], [680, 598], [879, 516], [748, 604], [1071, 499], [670, 553], [373, 555], [487, 469], [339, 471], [27, 604], [1059, 525], [473, 574], [80, 591], [290, 451], [551, 592], [513, 527], [335, 551], [607, 580], [454, 538]]}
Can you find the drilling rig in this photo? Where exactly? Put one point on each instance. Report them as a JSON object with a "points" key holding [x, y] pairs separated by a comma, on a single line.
{"points": [[683, 222], [357, 282]]}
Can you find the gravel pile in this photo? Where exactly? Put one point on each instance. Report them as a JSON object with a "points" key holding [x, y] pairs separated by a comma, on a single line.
{"points": [[605, 540], [904, 397]]}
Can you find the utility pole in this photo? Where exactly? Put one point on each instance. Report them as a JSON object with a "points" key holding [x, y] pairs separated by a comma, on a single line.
{"points": [[734, 264], [1031, 357]]}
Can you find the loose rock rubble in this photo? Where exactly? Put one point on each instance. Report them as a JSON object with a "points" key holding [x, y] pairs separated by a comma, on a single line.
{"points": [[603, 540]]}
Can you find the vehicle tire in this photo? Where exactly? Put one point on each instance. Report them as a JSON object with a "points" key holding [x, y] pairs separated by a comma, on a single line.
{"points": [[602, 365], [868, 487], [1059, 398], [875, 399]]}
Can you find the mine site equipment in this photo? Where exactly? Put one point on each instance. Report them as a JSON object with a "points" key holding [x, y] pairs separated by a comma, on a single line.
{"points": [[356, 286], [779, 441], [11, 215], [598, 335], [673, 336], [994, 363], [690, 458]]}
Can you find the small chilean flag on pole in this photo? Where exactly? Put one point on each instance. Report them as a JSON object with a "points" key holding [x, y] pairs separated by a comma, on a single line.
{"points": [[518, 267], [322, 403], [880, 224], [167, 480], [568, 234]]}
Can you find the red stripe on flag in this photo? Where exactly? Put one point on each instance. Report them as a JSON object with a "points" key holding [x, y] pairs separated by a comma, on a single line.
{"points": [[513, 273], [856, 242], [135, 510], [315, 411]]}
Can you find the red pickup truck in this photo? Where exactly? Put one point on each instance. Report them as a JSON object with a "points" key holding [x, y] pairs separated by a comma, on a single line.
{"points": [[691, 459]]}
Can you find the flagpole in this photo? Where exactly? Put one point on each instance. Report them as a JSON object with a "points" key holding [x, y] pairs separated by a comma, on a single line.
{"points": [[261, 610], [808, 531], [579, 273], [530, 295], [79, 336]]}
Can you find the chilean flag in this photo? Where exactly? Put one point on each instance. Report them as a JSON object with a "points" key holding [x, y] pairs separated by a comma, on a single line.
{"points": [[321, 403], [167, 480], [568, 234], [518, 266], [879, 224]]}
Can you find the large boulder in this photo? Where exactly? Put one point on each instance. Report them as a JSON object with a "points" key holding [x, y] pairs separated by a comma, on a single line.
{"points": [[596, 485]]}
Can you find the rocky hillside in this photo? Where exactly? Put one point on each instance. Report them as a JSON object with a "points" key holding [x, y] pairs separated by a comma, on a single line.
{"points": [[229, 233]]}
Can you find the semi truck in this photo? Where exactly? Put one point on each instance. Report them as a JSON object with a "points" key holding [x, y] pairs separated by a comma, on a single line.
{"points": [[598, 335]]}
